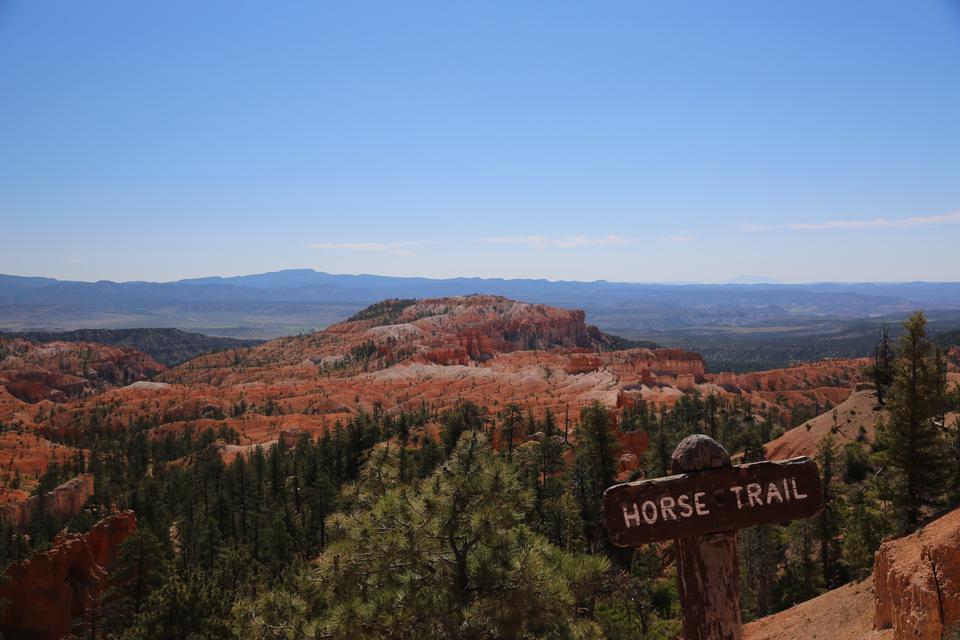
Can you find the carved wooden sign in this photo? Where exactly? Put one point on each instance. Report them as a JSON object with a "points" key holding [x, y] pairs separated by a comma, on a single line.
{"points": [[711, 501]]}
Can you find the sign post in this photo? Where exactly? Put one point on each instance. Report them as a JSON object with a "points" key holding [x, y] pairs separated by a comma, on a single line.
{"points": [[701, 507]]}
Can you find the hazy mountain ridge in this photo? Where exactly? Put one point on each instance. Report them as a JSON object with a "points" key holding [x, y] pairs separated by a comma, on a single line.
{"points": [[738, 326]]}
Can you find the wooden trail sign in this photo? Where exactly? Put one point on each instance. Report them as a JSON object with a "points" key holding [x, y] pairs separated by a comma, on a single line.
{"points": [[700, 507], [697, 503]]}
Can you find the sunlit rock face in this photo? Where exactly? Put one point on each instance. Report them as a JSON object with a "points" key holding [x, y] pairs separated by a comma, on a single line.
{"points": [[60, 371], [393, 356], [917, 582], [64, 502]]}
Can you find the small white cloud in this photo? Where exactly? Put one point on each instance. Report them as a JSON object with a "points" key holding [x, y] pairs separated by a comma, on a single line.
{"points": [[875, 223], [564, 242], [397, 248]]}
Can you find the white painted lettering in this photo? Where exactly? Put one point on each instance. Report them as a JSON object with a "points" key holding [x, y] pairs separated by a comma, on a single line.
{"points": [[753, 493], [666, 508], [698, 505], [786, 490], [773, 493], [649, 509], [797, 494], [737, 490], [684, 503], [631, 517]]}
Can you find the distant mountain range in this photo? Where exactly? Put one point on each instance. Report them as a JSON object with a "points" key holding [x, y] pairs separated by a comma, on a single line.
{"points": [[287, 302]]}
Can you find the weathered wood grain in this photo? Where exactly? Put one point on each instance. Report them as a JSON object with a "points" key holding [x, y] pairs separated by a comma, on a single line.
{"points": [[708, 576]]}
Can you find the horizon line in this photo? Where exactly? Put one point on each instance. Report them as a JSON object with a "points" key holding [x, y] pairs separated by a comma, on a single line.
{"points": [[771, 282]]}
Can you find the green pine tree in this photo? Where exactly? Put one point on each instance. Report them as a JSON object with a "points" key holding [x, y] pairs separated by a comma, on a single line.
{"points": [[913, 448]]}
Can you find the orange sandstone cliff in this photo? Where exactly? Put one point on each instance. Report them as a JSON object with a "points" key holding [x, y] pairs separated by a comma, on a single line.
{"points": [[48, 592], [917, 582], [914, 594], [64, 502]]}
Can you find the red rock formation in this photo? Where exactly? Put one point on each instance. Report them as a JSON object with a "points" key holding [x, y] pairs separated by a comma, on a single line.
{"points": [[432, 353], [917, 582], [686, 382], [446, 356], [60, 370], [678, 361], [810, 375], [34, 386], [64, 502], [914, 595], [50, 590], [582, 363], [631, 445], [24, 455]]}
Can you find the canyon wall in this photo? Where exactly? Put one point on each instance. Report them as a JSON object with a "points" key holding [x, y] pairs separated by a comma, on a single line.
{"points": [[917, 582], [47, 593]]}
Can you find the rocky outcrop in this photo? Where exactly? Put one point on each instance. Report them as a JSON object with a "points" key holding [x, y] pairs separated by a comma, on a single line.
{"points": [[631, 445], [686, 382], [446, 356], [917, 582], [677, 362], [50, 590], [59, 371], [582, 363], [34, 386], [64, 502], [651, 364], [483, 326]]}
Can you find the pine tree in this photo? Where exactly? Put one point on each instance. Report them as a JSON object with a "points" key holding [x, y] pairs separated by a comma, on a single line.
{"points": [[864, 528], [142, 563], [913, 448], [594, 467], [799, 580], [828, 522], [511, 422], [881, 371], [448, 557]]}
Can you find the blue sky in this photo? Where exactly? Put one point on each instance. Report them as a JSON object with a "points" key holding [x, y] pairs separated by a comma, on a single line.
{"points": [[634, 141]]}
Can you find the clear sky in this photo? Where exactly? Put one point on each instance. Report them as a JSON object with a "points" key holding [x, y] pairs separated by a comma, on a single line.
{"points": [[634, 141]]}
